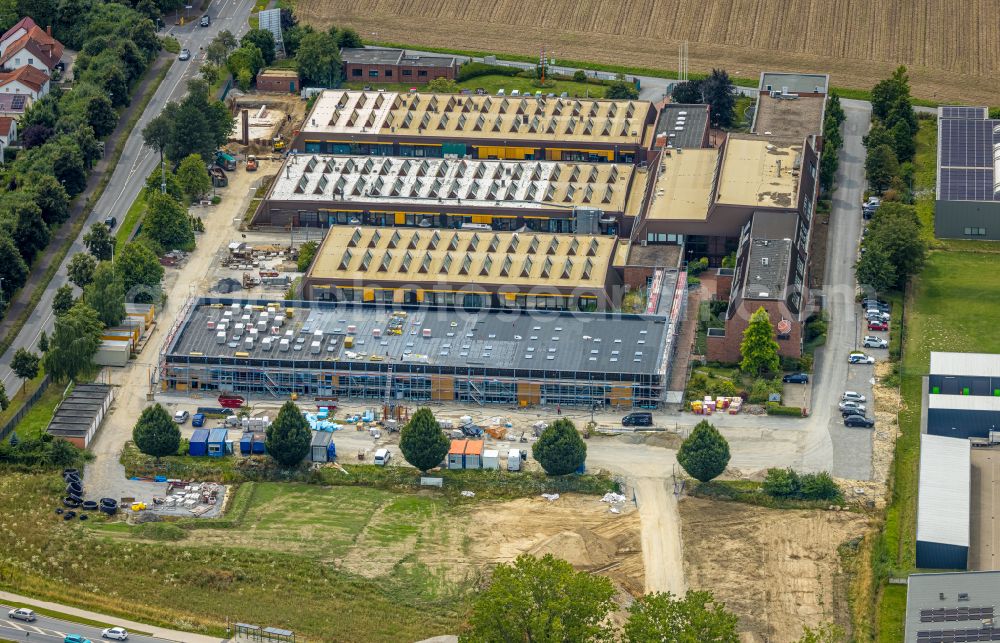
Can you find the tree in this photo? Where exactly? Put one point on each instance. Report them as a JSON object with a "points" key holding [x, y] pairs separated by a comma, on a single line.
{"points": [[828, 164], [50, 197], [159, 131], [155, 433], [4, 403], [30, 232], [13, 270], [442, 85], [687, 92], [167, 223], [106, 295], [62, 453], [887, 92], [720, 94], [423, 443], [101, 115], [43, 342], [895, 229], [696, 618], [216, 53], [68, 168], [263, 40], [99, 242], [579, 76], [227, 40], [318, 59], [560, 449], [874, 268], [244, 79], [63, 300], [759, 349], [348, 38], [288, 436], [247, 57], [25, 365], [705, 453], [140, 272], [541, 599], [210, 73], [193, 176], [81, 269], [75, 339], [622, 90], [904, 145], [306, 255], [35, 135], [880, 166], [782, 483]]}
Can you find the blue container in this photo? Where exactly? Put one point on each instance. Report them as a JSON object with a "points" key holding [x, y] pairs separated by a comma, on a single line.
{"points": [[217, 442], [199, 443], [246, 443], [258, 443]]}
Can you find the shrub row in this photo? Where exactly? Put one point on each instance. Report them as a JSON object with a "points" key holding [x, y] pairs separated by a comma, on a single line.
{"points": [[773, 408], [475, 70]]}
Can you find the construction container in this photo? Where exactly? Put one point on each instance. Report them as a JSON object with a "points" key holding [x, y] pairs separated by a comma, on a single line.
{"points": [[216, 444], [198, 445], [112, 352], [456, 454], [322, 448], [513, 460], [146, 311], [491, 459], [259, 443], [246, 443], [474, 454]]}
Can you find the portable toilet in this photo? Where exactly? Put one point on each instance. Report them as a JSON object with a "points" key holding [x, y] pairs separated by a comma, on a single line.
{"points": [[474, 454], [198, 445], [217, 442], [246, 443], [513, 460], [321, 448], [456, 454], [491, 459]]}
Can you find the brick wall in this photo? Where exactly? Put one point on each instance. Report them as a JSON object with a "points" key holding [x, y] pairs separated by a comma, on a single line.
{"points": [[395, 73], [727, 349], [635, 276], [284, 83]]}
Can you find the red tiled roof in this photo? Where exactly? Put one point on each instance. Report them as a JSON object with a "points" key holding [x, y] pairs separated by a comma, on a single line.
{"points": [[27, 76], [5, 123], [26, 22], [45, 47]]}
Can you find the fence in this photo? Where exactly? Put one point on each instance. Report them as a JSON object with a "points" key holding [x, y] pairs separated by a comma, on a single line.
{"points": [[30, 402]]}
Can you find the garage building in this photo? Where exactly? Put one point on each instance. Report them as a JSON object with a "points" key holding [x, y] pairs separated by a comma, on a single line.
{"points": [[943, 504]]}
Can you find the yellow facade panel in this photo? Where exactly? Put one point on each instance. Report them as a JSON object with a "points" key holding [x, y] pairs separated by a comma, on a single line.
{"points": [[368, 295], [400, 218]]}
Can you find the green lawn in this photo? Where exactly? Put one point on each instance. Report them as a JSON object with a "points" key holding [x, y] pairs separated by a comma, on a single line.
{"points": [[126, 225], [34, 421], [493, 83]]}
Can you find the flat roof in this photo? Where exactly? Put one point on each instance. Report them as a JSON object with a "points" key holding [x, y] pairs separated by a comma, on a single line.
{"points": [[758, 172], [984, 551], [370, 55], [963, 402], [611, 344], [684, 125], [967, 364], [396, 180], [796, 83], [934, 604], [944, 490], [365, 254], [506, 118], [684, 184], [786, 117]]}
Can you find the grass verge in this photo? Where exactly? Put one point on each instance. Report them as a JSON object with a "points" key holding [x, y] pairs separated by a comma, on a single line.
{"points": [[34, 421], [61, 252], [17, 401], [72, 618], [751, 493], [131, 219]]}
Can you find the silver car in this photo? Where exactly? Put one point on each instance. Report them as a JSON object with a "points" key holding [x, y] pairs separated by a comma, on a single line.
{"points": [[21, 614], [184, 55], [871, 341], [848, 405], [852, 396]]}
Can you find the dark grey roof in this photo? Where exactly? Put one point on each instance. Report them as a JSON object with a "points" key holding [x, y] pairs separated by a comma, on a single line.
{"points": [[796, 83], [966, 143], [961, 111], [604, 343], [383, 56], [936, 603], [692, 121], [321, 438], [82, 405], [772, 236]]}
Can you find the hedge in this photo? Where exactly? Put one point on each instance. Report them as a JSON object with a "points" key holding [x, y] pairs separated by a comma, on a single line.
{"points": [[773, 408], [474, 70]]}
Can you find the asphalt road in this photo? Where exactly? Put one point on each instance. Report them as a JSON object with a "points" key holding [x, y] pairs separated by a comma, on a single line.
{"points": [[137, 161], [53, 630]]}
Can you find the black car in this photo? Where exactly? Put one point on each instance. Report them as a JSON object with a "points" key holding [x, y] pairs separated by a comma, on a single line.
{"points": [[796, 378], [111, 222], [639, 418], [859, 420], [869, 304]]}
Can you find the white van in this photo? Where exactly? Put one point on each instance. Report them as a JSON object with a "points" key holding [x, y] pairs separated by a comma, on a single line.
{"points": [[382, 457]]}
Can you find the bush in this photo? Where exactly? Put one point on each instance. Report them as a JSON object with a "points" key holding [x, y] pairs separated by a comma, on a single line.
{"points": [[761, 389], [580, 76], [820, 486], [815, 327], [782, 483], [560, 449], [693, 281], [474, 70], [697, 266], [718, 307], [722, 388], [773, 408], [171, 44]]}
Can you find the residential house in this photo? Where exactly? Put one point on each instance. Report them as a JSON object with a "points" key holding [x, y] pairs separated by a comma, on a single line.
{"points": [[25, 80], [35, 48], [13, 105]]}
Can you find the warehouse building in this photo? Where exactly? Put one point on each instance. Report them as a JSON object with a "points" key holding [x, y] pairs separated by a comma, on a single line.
{"points": [[477, 127], [409, 353], [943, 503], [967, 192], [382, 65], [320, 190], [962, 395], [467, 268], [952, 607]]}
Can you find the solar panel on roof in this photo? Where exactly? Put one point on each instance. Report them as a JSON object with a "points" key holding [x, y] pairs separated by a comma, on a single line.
{"points": [[17, 102], [962, 111]]}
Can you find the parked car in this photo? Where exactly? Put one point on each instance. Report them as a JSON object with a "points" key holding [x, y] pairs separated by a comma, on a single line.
{"points": [[878, 325], [180, 417], [860, 358], [76, 638], [877, 315], [853, 396], [21, 614], [184, 55], [796, 378], [871, 341], [868, 304], [859, 420], [639, 418], [115, 634], [848, 405], [205, 20], [382, 457], [198, 419]]}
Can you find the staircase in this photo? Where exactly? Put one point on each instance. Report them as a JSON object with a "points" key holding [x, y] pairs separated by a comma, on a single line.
{"points": [[475, 393]]}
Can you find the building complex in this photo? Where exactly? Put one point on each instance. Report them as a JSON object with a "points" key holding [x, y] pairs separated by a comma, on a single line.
{"points": [[967, 192]]}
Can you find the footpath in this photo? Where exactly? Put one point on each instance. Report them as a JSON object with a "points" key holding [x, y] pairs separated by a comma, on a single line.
{"points": [[61, 236]]}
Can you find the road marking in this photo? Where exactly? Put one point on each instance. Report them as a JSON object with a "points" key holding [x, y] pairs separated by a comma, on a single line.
{"points": [[11, 624]]}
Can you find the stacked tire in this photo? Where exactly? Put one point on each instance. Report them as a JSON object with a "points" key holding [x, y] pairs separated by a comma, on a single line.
{"points": [[74, 496], [109, 506]]}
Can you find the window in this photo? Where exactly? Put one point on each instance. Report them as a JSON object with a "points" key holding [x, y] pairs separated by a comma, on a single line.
{"points": [[812, 169], [355, 72], [373, 73], [975, 232], [31, 61], [388, 73], [407, 72], [422, 72]]}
